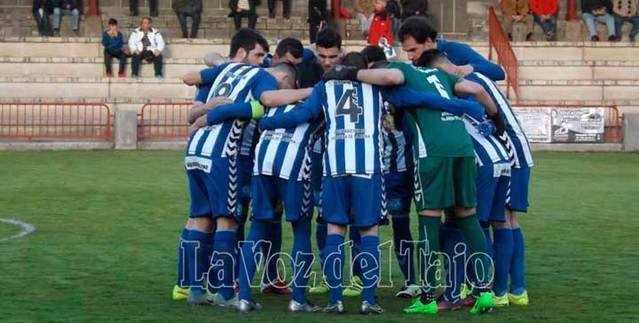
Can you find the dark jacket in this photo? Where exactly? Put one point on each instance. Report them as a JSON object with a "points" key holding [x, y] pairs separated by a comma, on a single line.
{"points": [[45, 4], [317, 11], [393, 8], [112, 43], [187, 6], [233, 6], [588, 6], [414, 8], [75, 4]]}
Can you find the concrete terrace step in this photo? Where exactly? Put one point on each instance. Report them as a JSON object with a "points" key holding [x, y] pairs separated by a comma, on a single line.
{"points": [[586, 90], [578, 70]]}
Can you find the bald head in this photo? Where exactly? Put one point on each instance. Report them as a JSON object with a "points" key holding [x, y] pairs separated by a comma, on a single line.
{"points": [[285, 74]]}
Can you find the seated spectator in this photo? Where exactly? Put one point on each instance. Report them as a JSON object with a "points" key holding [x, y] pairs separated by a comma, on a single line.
{"points": [[626, 11], [381, 25], [286, 9], [153, 8], [146, 43], [516, 11], [243, 8], [544, 13], [188, 8], [414, 8], [598, 11], [66, 8], [113, 42], [41, 10], [317, 16]]}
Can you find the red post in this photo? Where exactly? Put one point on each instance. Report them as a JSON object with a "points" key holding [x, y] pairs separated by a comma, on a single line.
{"points": [[93, 8], [572, 10]]}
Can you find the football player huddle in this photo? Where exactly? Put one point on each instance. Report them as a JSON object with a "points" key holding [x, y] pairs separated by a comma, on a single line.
{"points": [[354, 139]]}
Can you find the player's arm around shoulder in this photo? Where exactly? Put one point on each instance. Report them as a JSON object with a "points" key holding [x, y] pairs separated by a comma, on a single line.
{"points": [[304, 112]]}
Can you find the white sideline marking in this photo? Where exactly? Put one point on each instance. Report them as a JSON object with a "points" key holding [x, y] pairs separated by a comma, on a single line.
{"points": [[26, 229]]}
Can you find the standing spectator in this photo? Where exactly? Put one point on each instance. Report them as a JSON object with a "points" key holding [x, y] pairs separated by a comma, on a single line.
{"points": [[146, 43], [598, 11], [381, 25], [626, 11], [153, 8], [414, 8], [286, 8], [395, 12], [188, 8], [243, 8], [545, 15], [516, 11], [113, 42], [66, 8], [317, 16], [41, 10]]}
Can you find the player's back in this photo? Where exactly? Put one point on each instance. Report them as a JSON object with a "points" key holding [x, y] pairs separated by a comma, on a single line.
{"points": [[514, 132], [352, 111]]}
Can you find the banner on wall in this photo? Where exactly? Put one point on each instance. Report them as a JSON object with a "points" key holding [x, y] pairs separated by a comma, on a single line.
{"points": [[562, 125]]}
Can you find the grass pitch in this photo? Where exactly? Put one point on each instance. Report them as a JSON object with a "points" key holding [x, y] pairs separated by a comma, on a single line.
{"points": [[108, 222]]}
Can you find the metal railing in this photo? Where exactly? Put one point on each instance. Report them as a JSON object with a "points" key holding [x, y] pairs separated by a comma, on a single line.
{"points": [[55, 121], [498, 39], [159, 121]]}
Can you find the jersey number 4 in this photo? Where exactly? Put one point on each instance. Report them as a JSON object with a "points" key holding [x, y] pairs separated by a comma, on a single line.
{"points": [[347, 105]]}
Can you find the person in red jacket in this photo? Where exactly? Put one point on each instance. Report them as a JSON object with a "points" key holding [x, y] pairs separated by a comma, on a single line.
{"points": [[545, 15], [381, 25]]}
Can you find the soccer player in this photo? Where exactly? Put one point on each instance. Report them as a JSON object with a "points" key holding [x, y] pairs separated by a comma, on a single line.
{"points": [[212, 163], [444, 172], [353, 188], [493, 177]]}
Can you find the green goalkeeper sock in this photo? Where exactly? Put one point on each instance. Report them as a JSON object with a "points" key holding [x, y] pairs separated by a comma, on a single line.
{"points": [[429, 227], [476, 242]]}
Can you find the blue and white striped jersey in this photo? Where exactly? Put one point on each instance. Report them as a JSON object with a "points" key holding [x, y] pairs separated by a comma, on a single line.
{"points": [[250, 136], [241, 83], [282, 152], [521, 153], [398, 151], [488, 150]]}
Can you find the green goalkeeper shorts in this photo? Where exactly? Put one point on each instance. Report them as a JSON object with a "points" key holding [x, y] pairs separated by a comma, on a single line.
{"points": [[444, 182]]}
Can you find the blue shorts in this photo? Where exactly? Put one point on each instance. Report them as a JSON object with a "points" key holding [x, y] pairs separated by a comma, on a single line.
{"points": [[269, 191], [517, 200], [211, 188], [352, 200], [245, 174], [399, 192], [492, 189]]}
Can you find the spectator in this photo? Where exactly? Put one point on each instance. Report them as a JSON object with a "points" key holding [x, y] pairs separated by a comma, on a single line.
{"points": [[243, 8], [414, 8], [188, 8], [66, 8], [317, 16], [598, 11], [545, 15], [626, 11], [516, 11], [113, 42], [381, 25], [41, 10], [395, 12], [146, 43], [286, 8], [153, 8]]}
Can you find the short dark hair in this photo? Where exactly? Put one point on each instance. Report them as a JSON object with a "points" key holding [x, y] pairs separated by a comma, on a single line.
{"points": [[289, 70], [113, 21], [417, 27], [430, 57], [309, 74], [246, 39], [290, 45], [354, 59], [328, 38], [373, 54]]}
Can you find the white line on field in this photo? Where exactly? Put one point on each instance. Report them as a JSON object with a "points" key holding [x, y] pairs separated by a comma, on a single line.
{"points": [[26, 229]]}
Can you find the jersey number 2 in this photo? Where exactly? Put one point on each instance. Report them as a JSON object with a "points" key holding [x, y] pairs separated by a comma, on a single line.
{"points": [[347, 105]]}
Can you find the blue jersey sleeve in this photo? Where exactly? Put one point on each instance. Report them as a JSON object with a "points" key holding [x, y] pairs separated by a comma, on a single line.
{"points": [[263, 82], [202, 93], [229, 112], [309, 56], [404, 97], [309, 110], [462, 54], [208, 75]]}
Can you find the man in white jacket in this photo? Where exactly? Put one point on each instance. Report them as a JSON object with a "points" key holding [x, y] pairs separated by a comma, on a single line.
{"points": [[146, 43]]}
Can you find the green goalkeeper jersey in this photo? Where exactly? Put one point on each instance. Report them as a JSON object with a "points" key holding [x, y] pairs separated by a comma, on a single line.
{"points": [[435, 133]]}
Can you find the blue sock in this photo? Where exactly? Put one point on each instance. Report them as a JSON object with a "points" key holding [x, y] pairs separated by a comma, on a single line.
{"points": [[455, 273], [197, 249], [182, 270], [224, 257], [489, 241], [302, 256], [248, 253], [275, 237], [503, 257], [333, 266], [354, 235], [212, 281], [240, 237], [404, 251], [369, 264], [320, 239], [517, 266]]}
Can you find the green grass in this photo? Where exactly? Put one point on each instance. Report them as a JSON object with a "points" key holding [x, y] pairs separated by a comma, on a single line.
{"points": [[107, 226]]}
